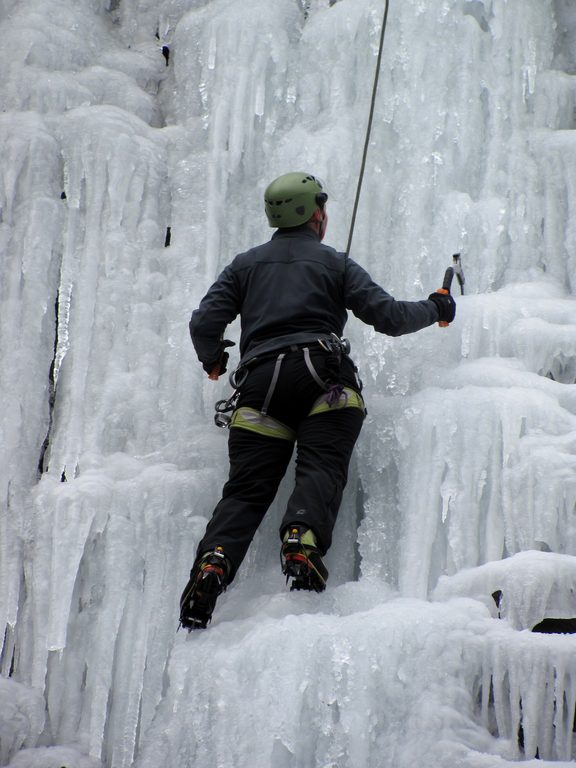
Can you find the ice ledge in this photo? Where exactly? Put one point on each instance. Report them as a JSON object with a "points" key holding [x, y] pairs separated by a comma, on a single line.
{"points": [[533, 585]]}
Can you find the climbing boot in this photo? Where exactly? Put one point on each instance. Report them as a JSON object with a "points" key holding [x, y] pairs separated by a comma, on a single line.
{"points": [[208, 579], [301, 560]]}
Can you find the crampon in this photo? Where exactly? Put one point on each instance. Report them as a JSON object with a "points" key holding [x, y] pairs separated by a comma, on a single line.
{"points": [[208, 579], [301, 560]]}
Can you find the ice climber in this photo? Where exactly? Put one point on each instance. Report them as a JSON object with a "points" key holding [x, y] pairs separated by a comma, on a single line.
{"points": [[296, 385]]}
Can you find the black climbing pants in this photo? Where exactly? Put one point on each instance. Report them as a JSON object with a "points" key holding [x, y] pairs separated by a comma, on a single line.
{"points": [[324, 444]]}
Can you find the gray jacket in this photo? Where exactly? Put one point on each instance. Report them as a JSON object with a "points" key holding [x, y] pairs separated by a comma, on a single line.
{"points": [[295, 290]]}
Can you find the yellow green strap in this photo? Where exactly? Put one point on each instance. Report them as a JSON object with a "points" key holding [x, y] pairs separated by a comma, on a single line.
{"points": [[255, 421], [348, 399]]}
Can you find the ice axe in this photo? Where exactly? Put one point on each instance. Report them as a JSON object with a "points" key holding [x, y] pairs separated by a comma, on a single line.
{"points": [[455, 269]]}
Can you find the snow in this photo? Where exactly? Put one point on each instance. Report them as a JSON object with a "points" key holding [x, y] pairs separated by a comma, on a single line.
{"points": [[463, 483]]}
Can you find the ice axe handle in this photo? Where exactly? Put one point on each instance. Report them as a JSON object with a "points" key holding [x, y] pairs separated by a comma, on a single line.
{"points": [[446, 284]]}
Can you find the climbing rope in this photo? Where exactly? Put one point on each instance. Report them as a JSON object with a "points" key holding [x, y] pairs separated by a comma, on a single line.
{"points": [[369, 128]]}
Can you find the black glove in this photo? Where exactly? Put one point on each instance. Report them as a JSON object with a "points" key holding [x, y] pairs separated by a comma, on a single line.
{"points": [[218, 366], [445, 305]]}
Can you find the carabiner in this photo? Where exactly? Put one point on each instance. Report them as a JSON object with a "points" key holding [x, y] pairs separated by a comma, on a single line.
{"points": [[342, 343], [222, 420], [224, 407], [238, 376]]}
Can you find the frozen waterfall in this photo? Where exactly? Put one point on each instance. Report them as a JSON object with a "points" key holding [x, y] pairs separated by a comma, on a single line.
{"points": [[136, 139]]}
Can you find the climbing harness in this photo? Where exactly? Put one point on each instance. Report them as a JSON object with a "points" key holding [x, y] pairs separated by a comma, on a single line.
{"points": [[252, 419], [369, 128], [335, 395]]}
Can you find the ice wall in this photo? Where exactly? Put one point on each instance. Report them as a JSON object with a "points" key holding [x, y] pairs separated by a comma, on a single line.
{"points": [[136, 140]]}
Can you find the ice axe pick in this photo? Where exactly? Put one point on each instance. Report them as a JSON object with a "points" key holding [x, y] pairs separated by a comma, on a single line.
{"points": [[458, 271]]}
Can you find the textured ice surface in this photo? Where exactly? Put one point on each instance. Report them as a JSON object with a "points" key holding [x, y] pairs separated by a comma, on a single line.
{"points": [[124, 120], [533, 586]]}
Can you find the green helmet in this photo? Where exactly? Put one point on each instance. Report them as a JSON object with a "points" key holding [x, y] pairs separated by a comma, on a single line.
{"points": [[290, 200]]}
